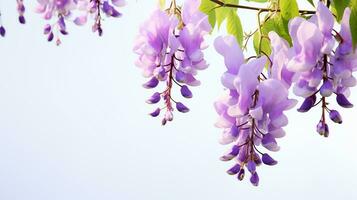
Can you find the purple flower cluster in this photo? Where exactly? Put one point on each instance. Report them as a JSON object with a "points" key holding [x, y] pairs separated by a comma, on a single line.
{"points": [[251, 112], [317, 65], [96, 8], [170, 47], [63, 10]]}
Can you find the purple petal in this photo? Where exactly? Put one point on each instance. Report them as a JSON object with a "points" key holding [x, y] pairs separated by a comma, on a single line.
{"points": [[156, 112], [254, 179], [181, 107], [2, 31], [308, 104], [251, 166], [268, 160], [155, 98], [269, 142], [343, 102], [234, 170], [152, 83], [185, 92], [326, 89]]}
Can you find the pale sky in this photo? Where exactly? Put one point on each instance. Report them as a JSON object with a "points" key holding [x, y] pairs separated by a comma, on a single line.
{"points": [[74, 125]]}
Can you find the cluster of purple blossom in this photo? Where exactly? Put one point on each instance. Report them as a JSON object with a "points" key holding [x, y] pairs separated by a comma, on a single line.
{"points": [[321, 66], [248, 112], [251, 111], [64, 9], [77, 11], [170, 48]]}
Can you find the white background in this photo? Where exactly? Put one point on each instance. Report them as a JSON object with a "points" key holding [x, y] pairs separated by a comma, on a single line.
{"points": [[74, 125]]}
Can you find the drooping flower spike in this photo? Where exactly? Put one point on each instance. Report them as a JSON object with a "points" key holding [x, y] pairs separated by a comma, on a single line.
{"points": [[98, 8], [77, 11], [319, 67], [170, 48], [251, 110]]}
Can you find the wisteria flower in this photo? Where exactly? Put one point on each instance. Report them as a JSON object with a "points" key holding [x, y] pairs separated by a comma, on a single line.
{"points": [[251, 111], [319, 66], [170, 47], [61, 10], [98, 8]]}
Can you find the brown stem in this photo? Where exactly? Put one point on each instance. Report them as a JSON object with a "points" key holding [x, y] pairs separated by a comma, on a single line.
{"points": [[255, 8]]}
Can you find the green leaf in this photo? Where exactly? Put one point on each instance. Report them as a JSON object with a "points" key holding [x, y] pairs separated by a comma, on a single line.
{"points": [[339, 7], [234, 26], [353, 23], [289, 9], [208, 7], [265, 44], [222, 12], [281, 27], [276, 24], [221, 15]]}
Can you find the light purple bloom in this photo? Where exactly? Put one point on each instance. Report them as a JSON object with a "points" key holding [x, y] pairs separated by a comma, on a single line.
{"points": [[170, 50], [319, 66], [251, 112]]}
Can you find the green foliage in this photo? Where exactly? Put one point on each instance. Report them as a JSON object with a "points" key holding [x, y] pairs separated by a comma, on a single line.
{"points": [[234, 26], [277, 24], [289, 9], [338, 7], [208, 8], [216, 15], [353, 22]]}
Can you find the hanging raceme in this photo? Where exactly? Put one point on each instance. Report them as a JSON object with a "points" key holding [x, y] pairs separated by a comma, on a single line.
{"points": [[170, 48]]}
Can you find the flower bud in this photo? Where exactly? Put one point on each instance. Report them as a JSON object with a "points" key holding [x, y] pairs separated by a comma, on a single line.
{"points": [[185, 92], [155, 98], [22, 19], [342, 101], [322, 129], [152, 83], [268, 160], [234, 170], [232, 153], [335, 116], [50, 37], [254, 179], [308, 103], [241, 174], [2, 31], [181, 107], [155, 113]]}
